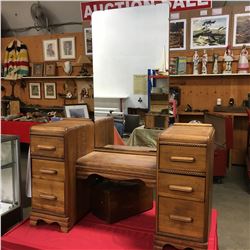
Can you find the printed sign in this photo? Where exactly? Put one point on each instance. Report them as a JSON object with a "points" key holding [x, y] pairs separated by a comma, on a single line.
{"points": [[87, 8]]}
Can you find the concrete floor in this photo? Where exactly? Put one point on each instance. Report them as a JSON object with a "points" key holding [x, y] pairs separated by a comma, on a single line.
{"points": [[230, 198], [232, 202]]}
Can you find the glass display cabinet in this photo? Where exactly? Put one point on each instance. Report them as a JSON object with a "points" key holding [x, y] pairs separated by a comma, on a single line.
{"points": [[10, 203]]}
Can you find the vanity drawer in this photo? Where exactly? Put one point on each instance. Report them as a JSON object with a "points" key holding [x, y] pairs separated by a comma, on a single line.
{"points": [[185, 158], [48, 196], [182, 218], [181, 186], [49, 170], [47, 146]]}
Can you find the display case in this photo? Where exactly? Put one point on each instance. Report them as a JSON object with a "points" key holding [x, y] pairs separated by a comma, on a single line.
{"points": [[10, 206]]}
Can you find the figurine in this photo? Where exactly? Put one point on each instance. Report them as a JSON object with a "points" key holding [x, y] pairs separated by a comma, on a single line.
{"points": [[67, 67], [215, 65], [243, 64], [196, 62], [228, 58], [204, 62]]}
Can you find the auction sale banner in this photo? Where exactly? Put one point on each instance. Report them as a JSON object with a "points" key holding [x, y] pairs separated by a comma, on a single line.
{"points": [[87, 8]]}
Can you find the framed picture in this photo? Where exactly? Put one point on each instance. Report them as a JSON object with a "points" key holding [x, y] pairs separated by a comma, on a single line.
{"points": [[241, 35], [35, 90], [177, 34], [37, 69], [50, 50], [88, 41], [76, 111], [50, 69], [67, 48], [49, 90], [209, 32]]}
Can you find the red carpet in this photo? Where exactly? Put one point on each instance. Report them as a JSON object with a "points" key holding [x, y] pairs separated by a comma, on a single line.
{"points": [[136, 232]]}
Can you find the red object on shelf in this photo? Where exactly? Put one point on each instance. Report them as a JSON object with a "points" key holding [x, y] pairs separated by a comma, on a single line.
{"points": [[20, 128], [159, 76]]}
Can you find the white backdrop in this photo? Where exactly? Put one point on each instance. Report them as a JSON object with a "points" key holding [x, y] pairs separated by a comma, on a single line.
{"points": [[127, 42]]}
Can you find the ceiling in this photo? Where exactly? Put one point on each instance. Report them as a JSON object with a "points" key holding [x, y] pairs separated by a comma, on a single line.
{"points": [[17, 20], [63, 16]]}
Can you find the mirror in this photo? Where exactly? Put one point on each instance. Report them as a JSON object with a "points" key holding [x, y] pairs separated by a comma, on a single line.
{"points": [[126, 43]]}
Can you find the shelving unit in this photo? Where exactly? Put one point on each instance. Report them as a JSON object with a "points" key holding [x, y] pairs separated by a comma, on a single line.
{"points": [[10, 204], [211, 75]]}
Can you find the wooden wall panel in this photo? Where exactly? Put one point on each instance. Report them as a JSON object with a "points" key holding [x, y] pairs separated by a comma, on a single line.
{"points": [[202, 92], [35, 51]]}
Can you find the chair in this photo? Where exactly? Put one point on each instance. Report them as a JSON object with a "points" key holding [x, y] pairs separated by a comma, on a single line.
{"points": [[131, 122], [223, 125], [248, 151]]}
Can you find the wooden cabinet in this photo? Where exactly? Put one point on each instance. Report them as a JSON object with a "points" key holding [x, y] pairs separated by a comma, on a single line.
{"points": [[54, 149], [184, 182]]}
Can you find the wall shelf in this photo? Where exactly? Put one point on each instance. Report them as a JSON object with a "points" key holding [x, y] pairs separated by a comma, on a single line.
{"points": [[52, 77], [213, 75]]}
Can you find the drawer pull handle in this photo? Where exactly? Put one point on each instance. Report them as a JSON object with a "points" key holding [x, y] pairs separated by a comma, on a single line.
{"points": [[48, 171], [48, 148], [180, 218], [182, 159], [180, 188], [48, 197]]}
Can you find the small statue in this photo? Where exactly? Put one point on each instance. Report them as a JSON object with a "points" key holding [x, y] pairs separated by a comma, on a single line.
{"points": [[204, 62], [243, 64], [196, 63], [228, 58], [215, 65], [84, 70]]}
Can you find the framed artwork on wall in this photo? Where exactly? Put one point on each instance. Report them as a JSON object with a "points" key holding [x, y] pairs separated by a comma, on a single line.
{"points": [[67, 48], [49, 90], [241, 35], [37, 69], [209, 32], [76, 111], [35, 90], [177, 34], [50, 69], [88, 41], [50, 50]]}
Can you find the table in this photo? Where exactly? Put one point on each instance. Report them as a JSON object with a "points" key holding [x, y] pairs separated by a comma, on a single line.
{"points": [[20, 128], [144, 137]]}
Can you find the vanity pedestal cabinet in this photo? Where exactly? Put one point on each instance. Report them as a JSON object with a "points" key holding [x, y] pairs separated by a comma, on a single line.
{"points": [[184, 186], [55, 146]]}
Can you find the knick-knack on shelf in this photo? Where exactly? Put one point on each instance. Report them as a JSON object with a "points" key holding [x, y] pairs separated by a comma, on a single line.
{"points": [[215, 65], [228, 58], [204, 60], [243, 65], [195, 63]]}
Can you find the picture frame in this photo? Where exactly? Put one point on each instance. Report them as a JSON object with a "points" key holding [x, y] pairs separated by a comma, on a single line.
{"points": [[88, 41], [50, 69], [67, 48], [76, 110], [241, 32], [209, 32], [177, 34], [35, 90], [37, 69], [50, 50], [49, 90]]}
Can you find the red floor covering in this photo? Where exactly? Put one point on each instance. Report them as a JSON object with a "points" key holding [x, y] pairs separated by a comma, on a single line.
{"points": [[136, 232]]}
